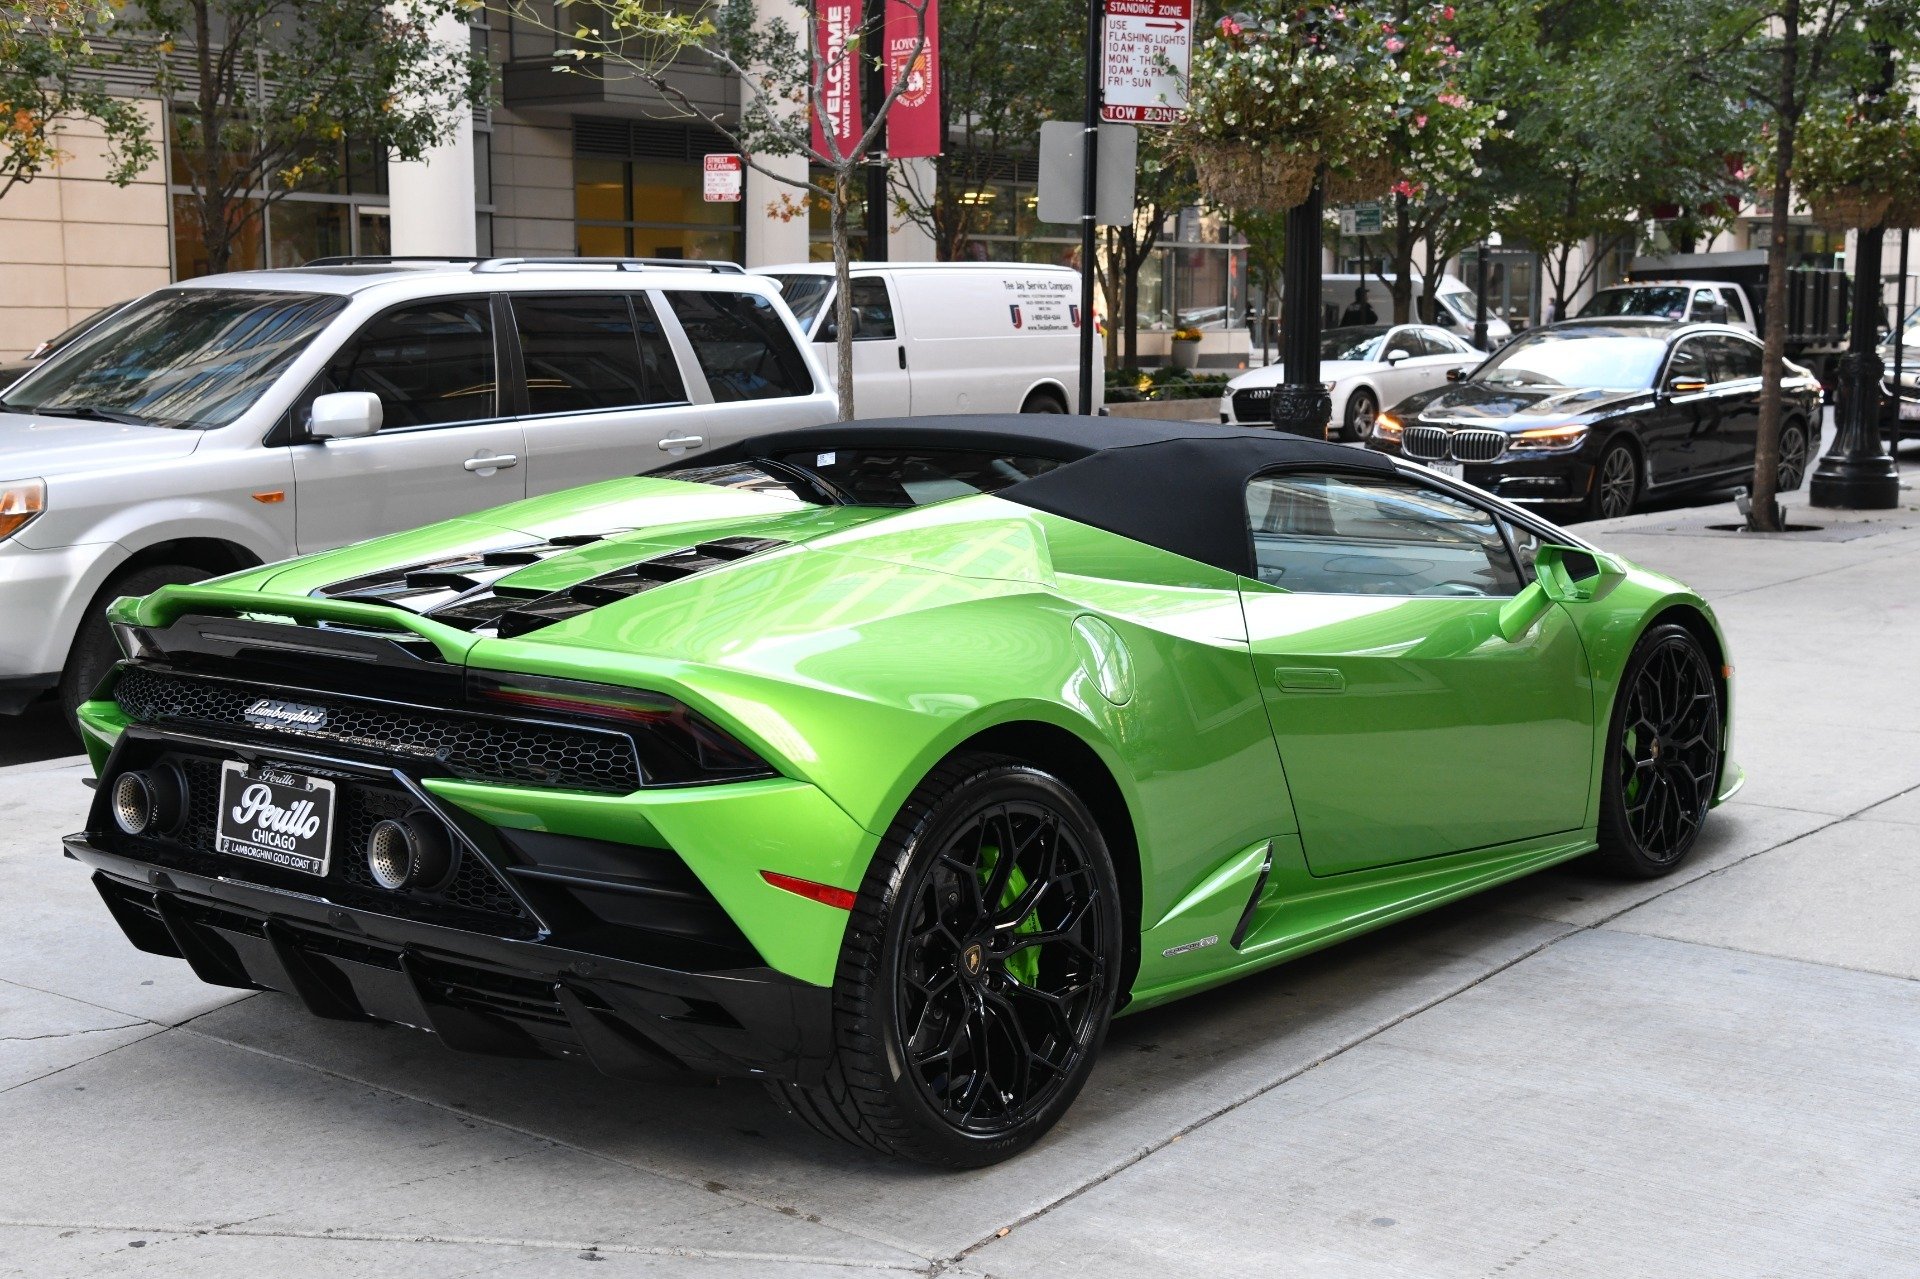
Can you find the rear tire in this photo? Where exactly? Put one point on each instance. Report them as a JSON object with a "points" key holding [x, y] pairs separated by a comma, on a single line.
{"points": [[94, 649], [1044, 402], [958, 1039], [1663, 755], [1792, 471]]}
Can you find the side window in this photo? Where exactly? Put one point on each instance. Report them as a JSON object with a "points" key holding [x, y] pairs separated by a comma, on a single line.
{"points": [[1405, 341], [580, 353], [872, 310], [657, 363], [1735, 311], [742, 345], [1366, 535], [1434, 342], [431, 363], [1526, 545], [1690, 362], [1737, 358]]}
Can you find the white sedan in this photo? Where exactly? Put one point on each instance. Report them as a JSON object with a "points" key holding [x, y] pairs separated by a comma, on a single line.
{"points": [[1365, 368]]}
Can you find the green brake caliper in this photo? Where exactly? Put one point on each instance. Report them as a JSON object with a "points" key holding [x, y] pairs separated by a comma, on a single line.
{"points": [[1023, 965]]}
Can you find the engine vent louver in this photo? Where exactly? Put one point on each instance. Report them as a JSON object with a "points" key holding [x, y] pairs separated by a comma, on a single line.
{"points": [[468, 591]]}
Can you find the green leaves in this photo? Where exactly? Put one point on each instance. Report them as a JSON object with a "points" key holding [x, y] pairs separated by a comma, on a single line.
{"points": [[50, 75]]}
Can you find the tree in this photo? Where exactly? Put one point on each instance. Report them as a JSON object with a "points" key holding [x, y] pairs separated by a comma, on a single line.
{"points": [[267, 95], [1000, 76], [785, 78], [49, 72], [1163, 186]]}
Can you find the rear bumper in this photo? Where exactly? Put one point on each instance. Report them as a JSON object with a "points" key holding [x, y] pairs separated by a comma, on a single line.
{"points": [[478, 993]]}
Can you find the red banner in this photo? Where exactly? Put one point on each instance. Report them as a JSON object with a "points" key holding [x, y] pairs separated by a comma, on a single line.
{"points": [[913, 123], [836, 75]]}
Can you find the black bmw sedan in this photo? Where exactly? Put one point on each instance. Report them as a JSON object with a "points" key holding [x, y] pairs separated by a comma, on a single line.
{"points": [[1598, 414]]}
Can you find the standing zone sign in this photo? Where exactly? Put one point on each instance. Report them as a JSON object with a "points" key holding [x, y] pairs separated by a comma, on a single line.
{"points": [[1146, 55], [723, 176]]}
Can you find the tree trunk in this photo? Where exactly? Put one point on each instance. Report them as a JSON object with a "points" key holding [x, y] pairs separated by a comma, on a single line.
{"points": [[216, 230], [1764, 515], [842, 290], [1402, 288]]}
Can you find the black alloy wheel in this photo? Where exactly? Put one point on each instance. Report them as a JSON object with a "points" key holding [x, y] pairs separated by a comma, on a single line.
{"points": [[1793, 457], [1362, 409], [1663, 755], [979, 971], [1616, 483]]}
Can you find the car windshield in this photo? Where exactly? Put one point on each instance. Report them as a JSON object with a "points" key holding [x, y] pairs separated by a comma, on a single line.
{"points": [[804, 296], [1666, 302], [1569, 358], [1909, 333], [1463, 303], [1354, 343], [873, 476], [191, 358]]}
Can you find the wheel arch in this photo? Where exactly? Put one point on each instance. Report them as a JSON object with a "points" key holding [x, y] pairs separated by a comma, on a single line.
{"points": [[215, 555], [1069, 757], [1046, 389]]}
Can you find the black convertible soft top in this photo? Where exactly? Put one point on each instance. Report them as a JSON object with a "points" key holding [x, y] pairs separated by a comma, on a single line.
{"points": [[1180, 486]]}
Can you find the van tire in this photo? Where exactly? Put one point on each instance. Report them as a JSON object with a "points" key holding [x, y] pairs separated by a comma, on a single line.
{"points": [[1044, 401], [94, 649]]}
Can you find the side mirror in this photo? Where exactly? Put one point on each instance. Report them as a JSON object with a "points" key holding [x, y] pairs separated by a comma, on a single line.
{"points": [[1394, 357], [1456, 375], [1685, 385], [1561, 575], [344, 415], [1717, 313]]}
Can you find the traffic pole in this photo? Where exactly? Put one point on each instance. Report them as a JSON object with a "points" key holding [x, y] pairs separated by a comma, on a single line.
{"points": [[1090, 176], [1899, 349]]}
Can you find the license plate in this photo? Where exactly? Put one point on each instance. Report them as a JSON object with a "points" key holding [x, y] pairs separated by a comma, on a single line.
{"points": [[272, 815], [1452, 470], [1910, 411]]}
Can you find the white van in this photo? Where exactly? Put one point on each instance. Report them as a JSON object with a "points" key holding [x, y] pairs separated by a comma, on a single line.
{"points": [[1455, 312], [948, 337]]}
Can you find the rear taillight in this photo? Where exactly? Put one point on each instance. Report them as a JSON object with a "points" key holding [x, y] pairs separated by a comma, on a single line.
{"points": [[677, 747]]}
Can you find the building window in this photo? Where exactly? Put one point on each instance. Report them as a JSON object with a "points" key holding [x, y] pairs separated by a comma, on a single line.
{"points": [[651, 209]]}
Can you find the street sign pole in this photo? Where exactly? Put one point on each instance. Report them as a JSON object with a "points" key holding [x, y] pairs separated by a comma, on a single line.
{"points": [[1089, 193]]}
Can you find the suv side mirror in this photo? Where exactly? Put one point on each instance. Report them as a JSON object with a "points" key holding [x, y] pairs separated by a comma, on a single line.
{"points": [[344, 415], [1561, 575]]}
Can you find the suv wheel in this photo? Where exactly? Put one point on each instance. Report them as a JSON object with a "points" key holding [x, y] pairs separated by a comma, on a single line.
{"points": [[94, 649]]}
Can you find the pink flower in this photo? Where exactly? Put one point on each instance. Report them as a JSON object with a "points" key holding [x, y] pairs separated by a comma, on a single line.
{"points": [[1230, 28], [1452, 99], [1447, 13], [1395, 45], [1387, 27], [1419, 122]]}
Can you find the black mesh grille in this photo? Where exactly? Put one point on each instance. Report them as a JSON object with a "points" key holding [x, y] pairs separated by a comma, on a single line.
{"points": [[357, 806], [1478, 446], [1255, 404], [1429, 443], [476, 746]]}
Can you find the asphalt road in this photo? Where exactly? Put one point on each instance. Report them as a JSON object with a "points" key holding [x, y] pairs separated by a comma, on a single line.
{"points": [[1707, 1075]]}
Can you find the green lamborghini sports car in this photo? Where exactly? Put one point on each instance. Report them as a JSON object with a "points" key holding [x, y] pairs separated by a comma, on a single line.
{"points": [[887, 761]]}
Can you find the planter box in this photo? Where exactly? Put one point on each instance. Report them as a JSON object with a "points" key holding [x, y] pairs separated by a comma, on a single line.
{"points": [[1207, 410]]}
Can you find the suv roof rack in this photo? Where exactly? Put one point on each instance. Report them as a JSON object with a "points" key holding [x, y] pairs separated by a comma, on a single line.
{"points": [[385, 259], [609, 264]]}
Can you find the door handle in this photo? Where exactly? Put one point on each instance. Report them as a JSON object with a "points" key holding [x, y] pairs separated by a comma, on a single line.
{"points": [[683, 442], [1309, 679], [903, 357], [499, 463]]}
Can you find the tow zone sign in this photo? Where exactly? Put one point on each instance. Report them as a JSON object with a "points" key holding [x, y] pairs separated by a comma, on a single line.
{"points": [[1146, 54]]}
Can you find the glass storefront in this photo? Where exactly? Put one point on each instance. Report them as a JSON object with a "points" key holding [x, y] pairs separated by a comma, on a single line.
{"points": [[651, 209]]}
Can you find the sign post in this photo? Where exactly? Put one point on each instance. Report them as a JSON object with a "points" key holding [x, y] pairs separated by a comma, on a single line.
{"points": [[722, 177], [1089, 194]]}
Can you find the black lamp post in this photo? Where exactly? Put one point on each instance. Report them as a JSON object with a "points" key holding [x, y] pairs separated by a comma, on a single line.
{"points": [[1857, 473], [1302, 406], [1480, 298]]}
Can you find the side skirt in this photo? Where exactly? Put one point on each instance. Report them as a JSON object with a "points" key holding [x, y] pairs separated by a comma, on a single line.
{"points": [[1296, 913]]}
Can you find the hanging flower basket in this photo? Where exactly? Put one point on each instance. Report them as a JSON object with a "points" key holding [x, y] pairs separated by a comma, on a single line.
{"points": [[1369, 178], [1842, 209], [1254, 177]]}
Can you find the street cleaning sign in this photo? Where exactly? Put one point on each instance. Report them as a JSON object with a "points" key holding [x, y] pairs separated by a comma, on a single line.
{"points": [[1145, 59], [723, 176]]}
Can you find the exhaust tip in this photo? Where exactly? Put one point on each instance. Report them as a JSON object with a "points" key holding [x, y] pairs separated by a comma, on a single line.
{"points": [[409, 852], [148, 801]]}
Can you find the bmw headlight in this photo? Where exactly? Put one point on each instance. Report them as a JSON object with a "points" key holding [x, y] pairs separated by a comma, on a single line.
{"points": [[20, 503], [1548, 439], [1387, 427]]}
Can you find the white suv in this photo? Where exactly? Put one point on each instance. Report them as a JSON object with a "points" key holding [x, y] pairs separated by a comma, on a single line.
{"points": [[244, 418]]}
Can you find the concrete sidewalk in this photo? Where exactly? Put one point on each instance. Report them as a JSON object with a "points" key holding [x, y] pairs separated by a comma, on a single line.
{"points": [[1715, 1074]]}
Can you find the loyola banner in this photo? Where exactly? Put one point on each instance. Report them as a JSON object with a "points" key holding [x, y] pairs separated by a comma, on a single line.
{"points": [[913, 125], [838, 74]]}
